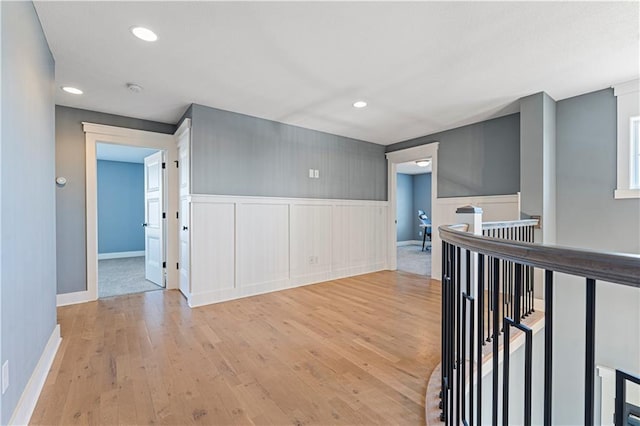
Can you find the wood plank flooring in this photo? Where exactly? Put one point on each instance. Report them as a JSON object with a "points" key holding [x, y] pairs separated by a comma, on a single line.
{"points": [[356, 351]]}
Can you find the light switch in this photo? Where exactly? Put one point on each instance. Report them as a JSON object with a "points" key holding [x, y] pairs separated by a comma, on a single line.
{"points": [[316, 174], [311, 173]]}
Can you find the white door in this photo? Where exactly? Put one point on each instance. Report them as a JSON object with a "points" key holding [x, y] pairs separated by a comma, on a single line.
{"points": [[183, 213], [153, 223]]}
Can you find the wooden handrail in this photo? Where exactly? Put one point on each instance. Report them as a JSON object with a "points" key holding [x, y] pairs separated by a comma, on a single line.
{"points": [[620, 268]]}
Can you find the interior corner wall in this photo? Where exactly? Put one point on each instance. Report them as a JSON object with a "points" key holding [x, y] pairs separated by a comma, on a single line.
{"points": [[28, 262], [404, 207], [589, 217], [478, 159], [120, 206], [236, 154], [70, 199]]}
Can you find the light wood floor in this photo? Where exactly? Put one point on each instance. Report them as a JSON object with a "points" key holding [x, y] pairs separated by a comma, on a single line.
{"points": [[352, 351]]}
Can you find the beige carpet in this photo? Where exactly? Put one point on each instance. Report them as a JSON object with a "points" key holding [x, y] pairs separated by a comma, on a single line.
{"points": [[413, 259], [122, 276]]}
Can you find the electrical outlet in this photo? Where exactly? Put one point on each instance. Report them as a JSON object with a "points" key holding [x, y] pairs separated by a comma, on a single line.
{"points": [[311, 260], [311, 173], [5, 376], [420, 233], [316, 174]]}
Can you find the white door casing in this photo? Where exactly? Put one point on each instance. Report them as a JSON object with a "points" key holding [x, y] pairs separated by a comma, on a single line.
{"points": [[153, 221], [184, 137], [98, 133]]}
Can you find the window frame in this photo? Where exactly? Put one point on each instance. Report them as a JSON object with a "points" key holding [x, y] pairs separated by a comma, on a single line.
{"points": [[628, 110]]}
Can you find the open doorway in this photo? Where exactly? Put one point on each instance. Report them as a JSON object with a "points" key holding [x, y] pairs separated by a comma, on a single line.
{"points": [[413, 213], [130, 201]]}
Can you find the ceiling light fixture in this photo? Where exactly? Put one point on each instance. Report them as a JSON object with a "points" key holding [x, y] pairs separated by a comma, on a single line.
{"points": [[423, 163], [135, 88], [144, 33], [72, 90], [359, 104]]}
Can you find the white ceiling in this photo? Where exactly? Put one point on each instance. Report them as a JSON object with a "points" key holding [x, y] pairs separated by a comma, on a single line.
{"points": [[422, 66], [126, 154], [411, 168]]}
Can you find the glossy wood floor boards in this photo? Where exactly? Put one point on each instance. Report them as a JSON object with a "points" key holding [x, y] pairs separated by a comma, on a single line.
{"points": [[353, 351]]}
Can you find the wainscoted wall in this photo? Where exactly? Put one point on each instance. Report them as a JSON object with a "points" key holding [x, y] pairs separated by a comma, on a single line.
{"points": [[242, 246], [494, 207]]}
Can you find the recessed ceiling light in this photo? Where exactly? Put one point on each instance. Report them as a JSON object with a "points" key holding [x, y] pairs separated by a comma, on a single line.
{"points": [[423, 163], [359, 104], [135, 88], [144, 33], [72, 90]]}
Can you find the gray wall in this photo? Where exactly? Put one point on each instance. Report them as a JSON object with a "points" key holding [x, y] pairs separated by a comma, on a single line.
{"points": [[589, 217], [28, 201], [421, 200], [404, 207], [478, 159], [70, 199], [235, 154], [120, 206]]}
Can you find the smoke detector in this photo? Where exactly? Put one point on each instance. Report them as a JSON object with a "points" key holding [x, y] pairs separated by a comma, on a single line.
{"points": [[135, 88]]}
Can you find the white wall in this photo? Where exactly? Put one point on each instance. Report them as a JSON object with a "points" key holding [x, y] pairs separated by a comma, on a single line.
{"points": [[242, 246]]}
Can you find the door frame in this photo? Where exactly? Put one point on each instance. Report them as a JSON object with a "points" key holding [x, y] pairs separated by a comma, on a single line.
{"points": [[99, 133], [429, 150]]}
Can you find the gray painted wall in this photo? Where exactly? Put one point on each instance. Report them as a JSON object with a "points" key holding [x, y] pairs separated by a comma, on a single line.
{"points": [[28, 259], [589, 217], [70, 199], [421, 200], [404, 207], [235, 154], [478, 159], [120, 206]]}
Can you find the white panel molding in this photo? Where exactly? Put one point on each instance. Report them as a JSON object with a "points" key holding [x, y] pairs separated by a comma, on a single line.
{"points": [[495, 207], [244, 246], [27, 403], [120, 255], [73, 298]]}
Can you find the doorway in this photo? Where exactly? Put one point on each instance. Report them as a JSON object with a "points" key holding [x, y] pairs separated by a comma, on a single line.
{"points": [[413, 216], [160, 179], [130, 229], [422, 152]]}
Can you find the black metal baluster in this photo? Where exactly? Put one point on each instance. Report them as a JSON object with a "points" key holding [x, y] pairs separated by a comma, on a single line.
{"points": [[496, 265], [589, 359], [459, 334], [443, 348], [480, 297], [548, 345]]}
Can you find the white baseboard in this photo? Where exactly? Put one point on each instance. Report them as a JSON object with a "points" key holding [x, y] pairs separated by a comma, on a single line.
{"points": [[73, 298], [120, 255], [26, 404], [409, 243]]}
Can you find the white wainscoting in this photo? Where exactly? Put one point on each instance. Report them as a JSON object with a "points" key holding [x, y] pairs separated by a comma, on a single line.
{"points": [[494, 207], [243, 246]]}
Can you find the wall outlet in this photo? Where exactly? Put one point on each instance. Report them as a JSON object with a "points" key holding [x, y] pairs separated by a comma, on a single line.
{"points": [[313, 260], [5, 376], [316, 174], [311, 173], [420, 233]]}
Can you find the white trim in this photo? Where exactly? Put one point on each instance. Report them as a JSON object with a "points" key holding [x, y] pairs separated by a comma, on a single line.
{"points": [[429, 150], [73, 298], [410, 243], [621, 194], [120, 254], [628, 106], [26, 404], [95, 133], [206, 198]]}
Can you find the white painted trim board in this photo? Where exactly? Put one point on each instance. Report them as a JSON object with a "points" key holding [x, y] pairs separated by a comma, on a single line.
{"points": [[65, 299], [120, 255], [27, 403]]}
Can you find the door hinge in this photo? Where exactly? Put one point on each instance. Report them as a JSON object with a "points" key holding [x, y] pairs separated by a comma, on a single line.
{"points": [[177, 266], [164, 165], [177, 163], [177, 215], [164, 264], [164, 215]]}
